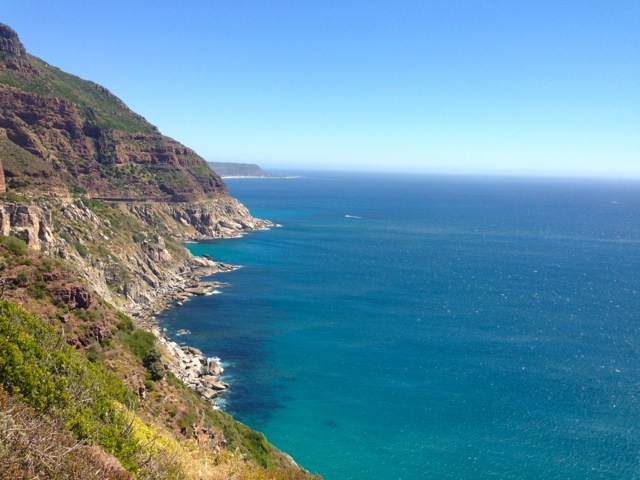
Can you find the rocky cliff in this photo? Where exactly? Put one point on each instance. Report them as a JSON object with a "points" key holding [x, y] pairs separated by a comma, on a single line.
{"points": [[60, 134], [127, 252], [60, 137], [10, 43]]}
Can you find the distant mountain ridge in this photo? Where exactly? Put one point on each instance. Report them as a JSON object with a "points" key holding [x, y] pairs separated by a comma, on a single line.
{"points": [[60, 134], [233, 169]]}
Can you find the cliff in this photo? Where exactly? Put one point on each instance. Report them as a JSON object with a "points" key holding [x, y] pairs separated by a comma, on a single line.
{"points": [[94, 202], [60, 134]]}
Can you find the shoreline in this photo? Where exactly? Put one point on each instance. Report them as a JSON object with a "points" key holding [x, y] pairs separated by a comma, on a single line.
{"points": [[188, 363], [196, 370]]}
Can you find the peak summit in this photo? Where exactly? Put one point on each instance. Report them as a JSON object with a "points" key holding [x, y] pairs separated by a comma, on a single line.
{"points": [[10, 43]]}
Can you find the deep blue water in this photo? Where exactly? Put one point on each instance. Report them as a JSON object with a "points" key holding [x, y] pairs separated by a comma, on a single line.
{"points": [[457, 328]]}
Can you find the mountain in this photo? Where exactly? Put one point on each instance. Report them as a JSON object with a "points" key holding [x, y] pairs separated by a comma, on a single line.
{"points": [[233, 169], [61, 134], [94, 204]]}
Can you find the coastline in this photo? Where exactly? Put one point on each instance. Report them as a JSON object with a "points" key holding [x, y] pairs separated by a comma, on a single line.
{"points": [[260, 176], [188, 363]]}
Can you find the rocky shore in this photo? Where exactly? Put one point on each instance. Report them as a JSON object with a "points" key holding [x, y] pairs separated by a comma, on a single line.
{"points": [[195, 369], [189, 364], [177, 290]]}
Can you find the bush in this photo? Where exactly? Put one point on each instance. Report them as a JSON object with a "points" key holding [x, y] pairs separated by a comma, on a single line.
{"points": [[153, 362], [38, 367], [37, 290], [126, 323], [139, 342], [14, 244], [22, 279], [81, 249], [14, 197]]}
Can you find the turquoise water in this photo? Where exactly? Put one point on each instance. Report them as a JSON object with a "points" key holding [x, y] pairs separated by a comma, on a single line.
{"points": [[404, 327]]}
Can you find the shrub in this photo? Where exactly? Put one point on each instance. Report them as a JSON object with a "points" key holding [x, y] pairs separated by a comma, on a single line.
{"points": [[14, 244], [153, 362], [82, 250], [14, 197], [87, 315], [37, 366], [139, 342], [126, 323], [22, 279], [37, 290]]}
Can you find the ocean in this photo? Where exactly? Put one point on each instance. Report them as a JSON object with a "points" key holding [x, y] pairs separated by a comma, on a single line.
{"points": [[432, 327]]}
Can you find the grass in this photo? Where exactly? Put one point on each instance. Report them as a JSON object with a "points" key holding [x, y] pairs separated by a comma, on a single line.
{"points": [[101, 107]]}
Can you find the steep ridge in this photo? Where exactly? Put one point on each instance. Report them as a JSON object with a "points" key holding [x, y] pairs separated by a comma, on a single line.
{"points": [[86, 140]]}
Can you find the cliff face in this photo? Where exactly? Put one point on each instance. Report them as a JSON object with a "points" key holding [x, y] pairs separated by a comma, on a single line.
{"points": [[127, 252], [10, 43], [61, 135], [74, 136]]}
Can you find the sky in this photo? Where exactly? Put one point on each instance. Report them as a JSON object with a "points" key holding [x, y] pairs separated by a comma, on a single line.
{"points": [[511, 87]]}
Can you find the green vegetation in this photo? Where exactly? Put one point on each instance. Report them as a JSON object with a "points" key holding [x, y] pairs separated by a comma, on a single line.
{"points": [[102, 107], [126, 323], [153, 363], [142, 345], [14, 197], [14, 244], [38, 367], [139, 342]]}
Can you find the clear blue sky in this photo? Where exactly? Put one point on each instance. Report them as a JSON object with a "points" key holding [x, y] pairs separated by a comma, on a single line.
{"points": [[524, 87]]}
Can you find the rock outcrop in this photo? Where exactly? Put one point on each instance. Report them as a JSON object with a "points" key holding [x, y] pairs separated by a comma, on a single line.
{"points": [[31, 223], [198, 372], [219, 218], [126, 252], [75, 154], [10, 43]]}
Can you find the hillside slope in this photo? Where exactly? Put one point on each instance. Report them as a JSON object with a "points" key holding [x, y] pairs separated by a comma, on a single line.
{"points": [[77, 137]]}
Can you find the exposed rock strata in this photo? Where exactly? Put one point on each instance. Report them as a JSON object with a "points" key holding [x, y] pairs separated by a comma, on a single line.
{"points": [[140, 275], [219, 218], [31, 223], [69, 135], [75, 152], [10, 43]]}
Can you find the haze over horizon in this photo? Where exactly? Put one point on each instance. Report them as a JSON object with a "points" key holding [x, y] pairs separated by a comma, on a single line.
{"points": [[508, 88]]}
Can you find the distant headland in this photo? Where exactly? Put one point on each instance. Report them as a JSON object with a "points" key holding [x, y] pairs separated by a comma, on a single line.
{"points": [[232, 169]]}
